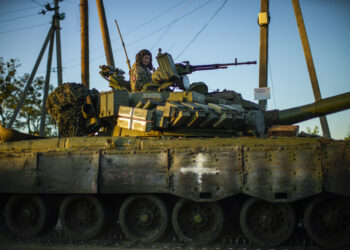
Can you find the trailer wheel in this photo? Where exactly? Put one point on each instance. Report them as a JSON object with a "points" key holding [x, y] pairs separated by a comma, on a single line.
{"points": [[26, 215], [143, 218], [82, 216], [327, 221], [197, 223], [267, 224]]}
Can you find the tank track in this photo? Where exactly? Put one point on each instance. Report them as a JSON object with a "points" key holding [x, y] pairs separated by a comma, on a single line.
{"points": [[231, 236], [114, 238]]}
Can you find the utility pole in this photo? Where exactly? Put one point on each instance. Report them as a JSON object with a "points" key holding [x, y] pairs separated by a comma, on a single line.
{"points": [[54, 29], [263, 21], [46, 87], [105, 33], [58, 17], [31, 77], [84, 33], [310, 64]]}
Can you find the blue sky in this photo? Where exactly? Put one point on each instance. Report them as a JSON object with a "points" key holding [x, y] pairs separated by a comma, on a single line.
{"points": [[232, 33]]}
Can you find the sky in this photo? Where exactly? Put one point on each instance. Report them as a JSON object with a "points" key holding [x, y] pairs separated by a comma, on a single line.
{"points": [[202, 32]]}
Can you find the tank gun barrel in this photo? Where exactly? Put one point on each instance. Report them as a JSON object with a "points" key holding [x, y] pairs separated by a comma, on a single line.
{"points": [[186, 68], [302, 113], [218, 65]]}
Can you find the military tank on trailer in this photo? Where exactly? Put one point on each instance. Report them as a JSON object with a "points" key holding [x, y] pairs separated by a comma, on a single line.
{"points": [[190, 159]]}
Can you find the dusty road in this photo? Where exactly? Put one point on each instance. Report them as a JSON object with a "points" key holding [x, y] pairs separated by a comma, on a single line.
{"points": [[9, 242], [6, 244]]}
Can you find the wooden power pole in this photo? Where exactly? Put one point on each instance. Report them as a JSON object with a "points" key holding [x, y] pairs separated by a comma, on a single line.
{"points": [[84, 33], [310, 64], [58, 43], [105, 33], [264, 36]]}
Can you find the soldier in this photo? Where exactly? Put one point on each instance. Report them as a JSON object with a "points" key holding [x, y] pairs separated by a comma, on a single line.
{"points": [[141, 70]]}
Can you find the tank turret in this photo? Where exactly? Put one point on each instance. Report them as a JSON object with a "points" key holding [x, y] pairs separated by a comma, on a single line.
{"points": [[160, 110]]}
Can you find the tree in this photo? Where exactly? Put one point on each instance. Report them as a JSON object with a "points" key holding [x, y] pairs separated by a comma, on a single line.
{"points": [[315, 131], [347, 138], [11, 87]]}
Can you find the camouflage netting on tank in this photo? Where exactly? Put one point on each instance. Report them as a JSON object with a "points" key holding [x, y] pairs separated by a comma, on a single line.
{"points": [[226, 94], [64, 105]]}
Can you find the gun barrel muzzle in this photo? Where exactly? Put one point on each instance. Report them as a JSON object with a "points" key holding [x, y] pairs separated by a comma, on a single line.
{"points": [[302, 113]]}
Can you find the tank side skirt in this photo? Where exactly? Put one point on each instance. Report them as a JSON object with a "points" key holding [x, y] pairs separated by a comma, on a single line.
{"points": [[282, 173], [206, 174], [134, 171], [68, 172], [276, 170], [18, 172], [336, 167]]}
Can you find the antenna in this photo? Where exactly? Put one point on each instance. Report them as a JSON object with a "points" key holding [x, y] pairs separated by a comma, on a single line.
{"points": [[126, 54]]}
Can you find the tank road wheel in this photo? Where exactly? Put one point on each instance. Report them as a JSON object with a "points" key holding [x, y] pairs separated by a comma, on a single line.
{"points": [[197, 223], [27, 215], [327, 220], [143, 218], [82, 216], [267, 224]]}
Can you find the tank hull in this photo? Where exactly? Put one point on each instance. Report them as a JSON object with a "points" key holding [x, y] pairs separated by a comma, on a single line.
{"points": [[202, 170]]}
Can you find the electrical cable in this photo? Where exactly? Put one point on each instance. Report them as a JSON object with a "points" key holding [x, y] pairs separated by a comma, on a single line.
{"points": [[19, 10], [180, 36], [154, 18], [151, 33], [195, 37], [68, 1], [160, 37], [34, 1], [24, 28], [172, 22], [165, 32], [16, 18], [273, 89], [129, 32]]}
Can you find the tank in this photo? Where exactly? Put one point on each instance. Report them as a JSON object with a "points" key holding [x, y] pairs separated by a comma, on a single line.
{"points": [[205, 165]]}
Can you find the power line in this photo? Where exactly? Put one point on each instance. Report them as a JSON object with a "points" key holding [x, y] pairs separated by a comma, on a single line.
{"points": [[134, 29], [34, 1], [195, 37], [18, 10], [165, 32], [160, 37], [68, 1], [172, 22], [155, 17], [16, 18], [149, 34], [24, 28], [273, 88], [179, 36]]}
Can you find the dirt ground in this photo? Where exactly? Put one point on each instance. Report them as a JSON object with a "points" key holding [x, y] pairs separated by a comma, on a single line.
{"points": [[6, 244], [9, 242]]}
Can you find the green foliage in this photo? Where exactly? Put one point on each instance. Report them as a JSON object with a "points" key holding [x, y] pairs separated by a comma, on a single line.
{"points": [[347, 138], [315, 131], [11, 87]]}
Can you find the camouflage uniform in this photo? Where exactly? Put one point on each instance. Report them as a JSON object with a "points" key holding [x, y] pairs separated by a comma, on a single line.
{"points": [[139, 76]]}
